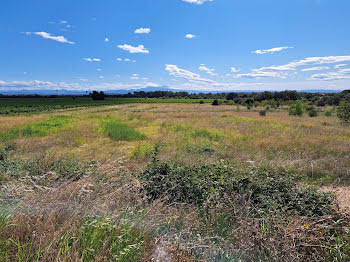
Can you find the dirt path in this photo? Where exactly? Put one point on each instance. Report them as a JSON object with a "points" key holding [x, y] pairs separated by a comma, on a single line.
{"points": [[343, 196]]}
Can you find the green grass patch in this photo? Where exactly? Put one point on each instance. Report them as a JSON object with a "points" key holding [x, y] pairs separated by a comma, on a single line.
{"points": [[119, 131], [103, 239], [39, 129]]}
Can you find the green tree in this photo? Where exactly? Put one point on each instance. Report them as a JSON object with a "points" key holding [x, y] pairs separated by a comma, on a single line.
{"points": [[297, 109], [343, 113]]}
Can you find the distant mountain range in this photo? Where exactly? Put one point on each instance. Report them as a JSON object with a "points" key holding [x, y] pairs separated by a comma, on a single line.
{"points": [[146, 89]]}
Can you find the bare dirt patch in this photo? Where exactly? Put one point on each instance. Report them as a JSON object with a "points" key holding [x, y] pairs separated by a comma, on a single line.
{"points": [[343, 196]]}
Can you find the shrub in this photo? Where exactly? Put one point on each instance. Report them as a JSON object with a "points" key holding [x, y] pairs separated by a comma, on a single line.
{"points": [[328, 112], [296, 109], [343, 113], [119, 131], [264, 192], [201, 102], [215, 102], [262, 112], [312, 111]]}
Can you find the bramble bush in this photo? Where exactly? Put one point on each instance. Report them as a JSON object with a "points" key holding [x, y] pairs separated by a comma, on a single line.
{"points": [[264, 192]]}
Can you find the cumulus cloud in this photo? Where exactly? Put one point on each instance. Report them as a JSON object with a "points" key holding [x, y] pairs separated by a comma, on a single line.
{"points": [[197, 2], [142, 31], [272, 50], [92, 59], [106, 39], [207, 70], [134, 49], [190, 36], [46, 35]]}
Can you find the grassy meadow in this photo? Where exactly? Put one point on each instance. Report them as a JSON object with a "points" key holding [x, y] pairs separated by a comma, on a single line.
{"points": [[155, 180]]}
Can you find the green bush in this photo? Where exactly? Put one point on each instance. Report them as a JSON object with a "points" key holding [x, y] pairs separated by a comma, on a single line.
{"points": [[312, 111], [264, 192], [343, 113], [262, 113], [215, 102], [296, 109], [328, 112], [120, 131]]}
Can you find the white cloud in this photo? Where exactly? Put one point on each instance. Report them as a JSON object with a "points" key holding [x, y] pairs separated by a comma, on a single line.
{"points": [[101, 77], [134, 49], [234, 70], [258, 75], [207, 70], [198, 2], [304, 62], [46, 35], [272, 50], [339, 66], [340, 75], [106, 39], [190, 36], [92, 59], [318, 68], [142, 31], [174, 70], [126, 60]]}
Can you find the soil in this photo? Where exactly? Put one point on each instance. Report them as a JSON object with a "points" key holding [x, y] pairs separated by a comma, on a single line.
{"points": [[343, 196]]}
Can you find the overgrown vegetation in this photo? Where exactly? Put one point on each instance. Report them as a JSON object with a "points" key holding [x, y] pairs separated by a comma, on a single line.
{"points": [[187, 183], [343, 113], [120, 131], [39, 129], [264, 192]]}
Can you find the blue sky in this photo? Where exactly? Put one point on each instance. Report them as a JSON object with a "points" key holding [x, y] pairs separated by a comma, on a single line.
{"points": [[209, 45]]}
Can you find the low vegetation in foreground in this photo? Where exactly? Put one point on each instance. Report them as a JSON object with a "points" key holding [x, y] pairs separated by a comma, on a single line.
{"points": [[174, 182]]}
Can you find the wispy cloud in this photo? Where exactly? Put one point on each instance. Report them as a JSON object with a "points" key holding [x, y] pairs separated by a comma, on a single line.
{"points": [[307, 61], [46, 35], [207, 70], [198, 2], [318, 68], [339, 75], [142, 31], [234, 69], [126, 60], [272, 50], [339, 66], [106, 39], [92, 59], [258, 75], [174, 70], [134, 49]]}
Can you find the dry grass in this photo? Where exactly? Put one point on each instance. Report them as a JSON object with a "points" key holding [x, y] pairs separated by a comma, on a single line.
{"points": [[48, 208]]}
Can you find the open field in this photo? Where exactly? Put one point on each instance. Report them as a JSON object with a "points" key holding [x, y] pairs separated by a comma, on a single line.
{"points": [[132, 181]]}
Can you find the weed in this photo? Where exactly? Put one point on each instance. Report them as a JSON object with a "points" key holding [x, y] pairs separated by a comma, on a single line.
{"points": [[120, 131]]}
